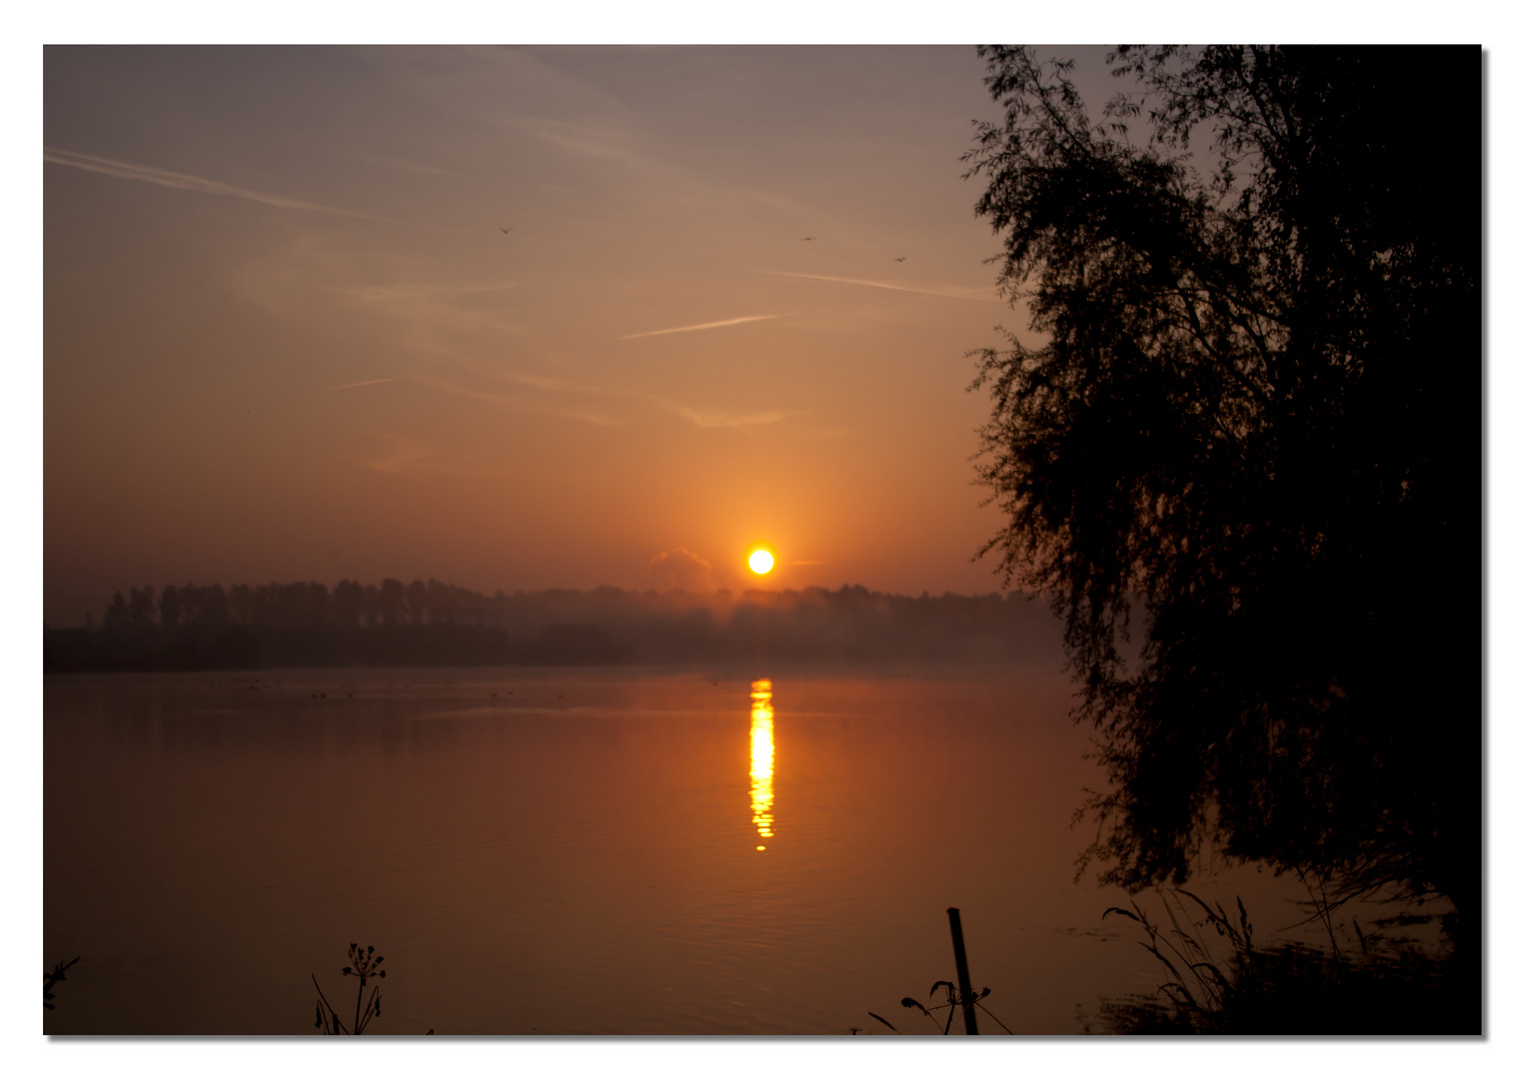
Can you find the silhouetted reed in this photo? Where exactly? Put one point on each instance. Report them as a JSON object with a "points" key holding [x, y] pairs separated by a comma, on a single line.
{"points": [[1233, 987], [953, 1004], [50, 979], [960, 995], [363, 966]]}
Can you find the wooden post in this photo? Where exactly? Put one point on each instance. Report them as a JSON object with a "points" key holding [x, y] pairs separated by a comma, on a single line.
{"points": [[965, 991]]}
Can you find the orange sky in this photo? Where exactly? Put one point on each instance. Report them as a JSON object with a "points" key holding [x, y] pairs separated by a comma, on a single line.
{"points": [[286, 338]]}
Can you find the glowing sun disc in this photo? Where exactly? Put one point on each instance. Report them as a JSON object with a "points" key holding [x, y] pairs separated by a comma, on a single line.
{"points": [[761, 561]]}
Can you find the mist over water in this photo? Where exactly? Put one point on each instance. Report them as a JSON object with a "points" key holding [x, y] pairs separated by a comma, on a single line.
{"points": [[541, 852]]}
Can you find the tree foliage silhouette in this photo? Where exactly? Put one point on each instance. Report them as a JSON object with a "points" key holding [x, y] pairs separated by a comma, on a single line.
{"points": [[1253, 427]]}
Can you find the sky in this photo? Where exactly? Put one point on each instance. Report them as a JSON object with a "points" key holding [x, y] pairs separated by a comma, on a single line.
{"points": [[287, 337]]}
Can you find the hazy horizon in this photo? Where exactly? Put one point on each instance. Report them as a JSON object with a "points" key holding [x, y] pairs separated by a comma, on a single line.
{"points": [[688, 585]]}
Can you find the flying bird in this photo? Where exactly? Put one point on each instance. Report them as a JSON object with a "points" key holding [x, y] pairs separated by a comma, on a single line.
{"points": [[506, 231], [901, 259], [808, 238]]}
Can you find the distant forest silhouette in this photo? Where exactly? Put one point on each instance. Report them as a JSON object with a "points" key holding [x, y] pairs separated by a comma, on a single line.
{"points": [[304, 624]]}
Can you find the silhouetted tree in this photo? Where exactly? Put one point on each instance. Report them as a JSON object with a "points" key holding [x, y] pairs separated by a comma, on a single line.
{"points": [[442, 601], [214, 604], [317, 607], [393, 596], [243, 604], [349, 600], [453, 604], [169, 607], [140, 604], [1254, 416], [370, 605], [417, 597], [204, 605], [116, 611], [299, 605]]}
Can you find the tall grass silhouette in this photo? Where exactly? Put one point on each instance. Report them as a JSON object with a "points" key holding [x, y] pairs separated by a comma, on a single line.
{"points": [[1219, 982]]}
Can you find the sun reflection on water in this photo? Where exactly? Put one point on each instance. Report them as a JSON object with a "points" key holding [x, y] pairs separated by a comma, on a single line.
{"points": [[762, 759]]}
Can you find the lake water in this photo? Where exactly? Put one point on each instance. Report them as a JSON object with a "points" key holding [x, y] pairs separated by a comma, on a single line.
{"points": [[575, 852]]}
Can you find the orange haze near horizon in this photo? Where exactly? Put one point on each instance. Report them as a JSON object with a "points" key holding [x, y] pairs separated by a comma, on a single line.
{"points": [[512, 318]]}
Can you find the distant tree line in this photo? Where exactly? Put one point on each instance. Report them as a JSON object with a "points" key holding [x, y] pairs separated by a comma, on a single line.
{"points": [[305, 624], [307, 604]]}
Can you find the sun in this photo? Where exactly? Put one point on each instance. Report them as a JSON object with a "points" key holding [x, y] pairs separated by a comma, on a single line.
{"points": [[761, 561]]}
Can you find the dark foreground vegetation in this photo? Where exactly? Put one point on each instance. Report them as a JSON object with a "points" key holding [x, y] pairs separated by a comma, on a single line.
{"points": [[1218, 981], [1250, 412], [193, 628]]}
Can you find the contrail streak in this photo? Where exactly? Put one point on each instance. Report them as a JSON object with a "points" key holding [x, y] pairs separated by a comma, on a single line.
{"points": [[368, 382], [126, 170], [701, 326], [950, 294]]}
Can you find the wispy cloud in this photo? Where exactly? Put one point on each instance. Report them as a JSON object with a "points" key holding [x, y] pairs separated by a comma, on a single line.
{"points": [[952, 293], [407, 458], [126, 170], [430, 310], [404, 163], [368, 382], [547, 382], [517, 402], [681, 568], [590, 142], [704, 326], [722, 419], [699, 418]]}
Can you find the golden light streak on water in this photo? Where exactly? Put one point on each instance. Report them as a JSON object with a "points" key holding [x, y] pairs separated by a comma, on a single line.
{"points": [[762, 759]]}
